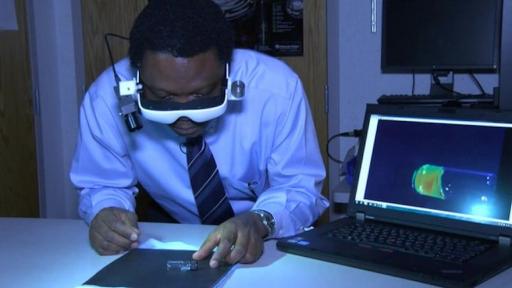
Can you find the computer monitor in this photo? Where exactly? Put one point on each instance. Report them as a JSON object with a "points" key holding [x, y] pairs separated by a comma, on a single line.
{"points": [[425, 36]]}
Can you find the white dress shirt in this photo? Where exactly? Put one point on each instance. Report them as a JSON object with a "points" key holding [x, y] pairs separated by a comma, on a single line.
{"points": [[265, 147]]}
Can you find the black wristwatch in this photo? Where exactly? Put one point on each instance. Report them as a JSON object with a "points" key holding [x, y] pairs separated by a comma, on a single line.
{"points": [[267, 219]]}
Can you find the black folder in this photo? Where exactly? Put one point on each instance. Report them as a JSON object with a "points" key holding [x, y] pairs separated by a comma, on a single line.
{"points": [[148, 268]]}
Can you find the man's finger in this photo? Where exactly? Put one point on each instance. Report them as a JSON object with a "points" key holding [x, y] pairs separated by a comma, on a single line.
{"points": [[127, 217], [118, 223], [104, 246], [120, 240], [207, 247], [241, 247], [221, 253], [254, 252]]}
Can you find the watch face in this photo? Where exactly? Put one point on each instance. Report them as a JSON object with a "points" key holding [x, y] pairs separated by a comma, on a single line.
{"points": [[267, 219]]}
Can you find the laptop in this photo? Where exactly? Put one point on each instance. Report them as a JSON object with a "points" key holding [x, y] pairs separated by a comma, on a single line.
{"points": [[431, 198]]}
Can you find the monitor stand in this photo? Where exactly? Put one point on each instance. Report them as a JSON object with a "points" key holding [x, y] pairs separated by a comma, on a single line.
{"points": [[442, 94], [441, 89], [441, 84]]}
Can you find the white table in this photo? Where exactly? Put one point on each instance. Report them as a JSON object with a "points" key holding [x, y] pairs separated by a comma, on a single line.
{"points": [[56, 253]]}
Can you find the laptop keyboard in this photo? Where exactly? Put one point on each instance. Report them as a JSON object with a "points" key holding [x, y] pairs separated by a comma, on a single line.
{"points": [[409, 240]]}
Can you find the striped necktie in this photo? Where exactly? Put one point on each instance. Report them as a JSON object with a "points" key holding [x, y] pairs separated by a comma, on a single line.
{"points": [[211, 200]]}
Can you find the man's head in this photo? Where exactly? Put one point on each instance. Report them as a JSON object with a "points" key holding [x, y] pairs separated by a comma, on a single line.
{"points": [[182, 28], [181, 48]]}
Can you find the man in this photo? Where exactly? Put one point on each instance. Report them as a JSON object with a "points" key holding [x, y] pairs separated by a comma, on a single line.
{"points": [[268, 167]]}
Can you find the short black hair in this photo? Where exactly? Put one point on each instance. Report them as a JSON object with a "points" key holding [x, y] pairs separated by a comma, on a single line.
{"points": [[183, 28]]}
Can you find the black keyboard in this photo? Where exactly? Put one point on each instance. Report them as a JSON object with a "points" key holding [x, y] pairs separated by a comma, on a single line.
{"points": [[426, 99], [411, 240]]}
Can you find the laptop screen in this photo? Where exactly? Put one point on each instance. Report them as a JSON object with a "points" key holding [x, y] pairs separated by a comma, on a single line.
{"points": [[442, 167]]}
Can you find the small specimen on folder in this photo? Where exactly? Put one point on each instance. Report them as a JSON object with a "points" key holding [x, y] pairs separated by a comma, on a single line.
{"points": [[182, 265]]}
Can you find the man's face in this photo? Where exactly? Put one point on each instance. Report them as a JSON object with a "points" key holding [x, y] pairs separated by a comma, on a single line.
{"points": [[170, 78]]}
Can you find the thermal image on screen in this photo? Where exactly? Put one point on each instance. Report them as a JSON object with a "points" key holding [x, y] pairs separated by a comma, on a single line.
{"points": [[473, 190], [427, 181], [442, 169]]}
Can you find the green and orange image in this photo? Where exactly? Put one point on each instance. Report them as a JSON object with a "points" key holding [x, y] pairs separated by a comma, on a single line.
{"points": [[427, 181]]}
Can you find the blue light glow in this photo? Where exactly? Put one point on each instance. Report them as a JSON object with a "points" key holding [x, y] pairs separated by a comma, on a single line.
{"points": [[480, 210]]}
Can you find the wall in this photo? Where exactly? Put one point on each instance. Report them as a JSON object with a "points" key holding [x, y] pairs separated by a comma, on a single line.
{"points": [[55, 39], [354, 72]]}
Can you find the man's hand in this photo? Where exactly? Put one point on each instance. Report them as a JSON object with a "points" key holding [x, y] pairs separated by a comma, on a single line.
{"points": [[113, 230], [239, 239]]}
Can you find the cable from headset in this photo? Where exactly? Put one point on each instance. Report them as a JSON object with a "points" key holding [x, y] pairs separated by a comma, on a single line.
{"points": [[125, 91], [109, 50]]}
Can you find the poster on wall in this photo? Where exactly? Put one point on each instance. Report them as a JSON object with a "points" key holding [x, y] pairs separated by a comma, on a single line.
{"points": [[269, 26]]}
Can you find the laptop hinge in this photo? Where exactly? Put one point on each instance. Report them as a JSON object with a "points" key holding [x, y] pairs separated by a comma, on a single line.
{"points": [[360, 217], [504, 241]]}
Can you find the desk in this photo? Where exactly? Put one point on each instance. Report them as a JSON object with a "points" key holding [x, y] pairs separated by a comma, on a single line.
{"points": [[56, 253]]}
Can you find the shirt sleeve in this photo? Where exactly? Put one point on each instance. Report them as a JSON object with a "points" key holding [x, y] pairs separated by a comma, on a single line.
{"points": [[295, 169], [101, 169]]}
